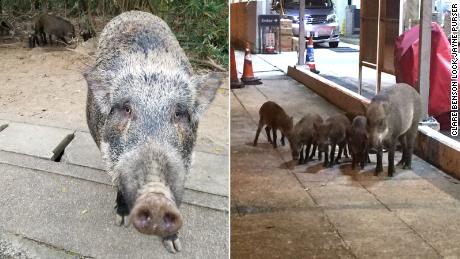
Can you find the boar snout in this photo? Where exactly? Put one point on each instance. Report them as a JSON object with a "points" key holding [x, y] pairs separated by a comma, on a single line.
{"points": [[155, 214]]}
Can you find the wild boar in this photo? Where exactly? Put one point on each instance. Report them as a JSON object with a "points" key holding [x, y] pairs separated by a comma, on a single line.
{"points": [[143, 107], [394, 115]]}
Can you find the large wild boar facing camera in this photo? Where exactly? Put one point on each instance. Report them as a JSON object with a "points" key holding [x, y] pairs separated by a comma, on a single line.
{"points": [[143, 108]]}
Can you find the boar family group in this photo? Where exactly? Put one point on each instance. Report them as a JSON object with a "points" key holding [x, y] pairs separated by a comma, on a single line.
{"points": [[392, 116]]}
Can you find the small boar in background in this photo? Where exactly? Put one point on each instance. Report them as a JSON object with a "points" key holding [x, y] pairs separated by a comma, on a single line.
{"points": [[394, 115], [143, 108], [358, 142], [272, 115], [332, 132], [47, 24], [303, 137], [86, 31]]}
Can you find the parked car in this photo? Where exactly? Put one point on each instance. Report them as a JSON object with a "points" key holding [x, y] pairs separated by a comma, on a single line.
{"points": [[320, 19]]}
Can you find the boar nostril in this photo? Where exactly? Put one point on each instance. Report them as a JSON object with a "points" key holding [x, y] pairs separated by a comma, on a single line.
{"points": [[169, 220], [143, 219]]}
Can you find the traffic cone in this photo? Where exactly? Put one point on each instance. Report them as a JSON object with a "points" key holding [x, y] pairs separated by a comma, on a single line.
{"points": [[310, 57], [234, 82], [248, 74]]}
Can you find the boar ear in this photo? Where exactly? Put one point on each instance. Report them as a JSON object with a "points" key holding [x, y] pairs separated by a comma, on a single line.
{"points": [[99, 90], [206, 87]]}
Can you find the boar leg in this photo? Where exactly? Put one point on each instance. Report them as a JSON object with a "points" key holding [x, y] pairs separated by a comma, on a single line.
{"points": [[274, 138], [313, 152], [410, 142], [172, 243], [332, 154], [346, 150], [282, 139], [326, 157], [379, 167], [301, 155], [402, 140], [267, 130], [391, 159], [342, 148], [364, 156], [121, 209], [353, 161], [259, 128], [307, 152]]}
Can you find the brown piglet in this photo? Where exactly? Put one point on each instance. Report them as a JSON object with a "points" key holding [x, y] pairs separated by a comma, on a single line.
{"points": [[331, 133], [303, 137], [272, 115], [358, 142]]}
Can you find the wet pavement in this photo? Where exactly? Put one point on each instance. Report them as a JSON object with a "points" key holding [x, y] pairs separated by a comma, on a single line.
{"points": [[283, 210]]}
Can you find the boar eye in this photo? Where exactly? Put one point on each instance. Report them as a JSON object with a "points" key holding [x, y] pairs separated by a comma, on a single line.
{"points": [[181, 114], [127, 109]]}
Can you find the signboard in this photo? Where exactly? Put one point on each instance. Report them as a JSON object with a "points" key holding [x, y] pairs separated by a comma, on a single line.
{"points": [[269, 20]]}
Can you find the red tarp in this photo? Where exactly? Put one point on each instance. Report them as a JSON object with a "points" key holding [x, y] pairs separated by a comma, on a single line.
{"points": [[406, 68]]}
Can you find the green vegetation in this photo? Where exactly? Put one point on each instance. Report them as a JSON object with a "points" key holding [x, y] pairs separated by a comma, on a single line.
{"points": [[201, 26]]}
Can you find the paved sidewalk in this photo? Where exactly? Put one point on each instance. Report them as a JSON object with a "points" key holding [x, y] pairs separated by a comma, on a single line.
{"points": [[64, 209], [280, 210]]}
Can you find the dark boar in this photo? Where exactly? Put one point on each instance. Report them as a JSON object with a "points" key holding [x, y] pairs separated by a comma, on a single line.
{"points": [[272, 115], [357, 142], [394, 115], [303, 137], [143, 108], [86, 30], [331, 133], [48, 24]]}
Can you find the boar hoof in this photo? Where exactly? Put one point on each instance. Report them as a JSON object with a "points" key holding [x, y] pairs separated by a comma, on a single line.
{"points": [[378, 170], [407, 167], [121, 221], [172, 244]]}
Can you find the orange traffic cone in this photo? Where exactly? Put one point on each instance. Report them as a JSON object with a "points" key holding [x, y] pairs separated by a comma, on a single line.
{"points": [[248, 74], [310, 57], [234, 82]]}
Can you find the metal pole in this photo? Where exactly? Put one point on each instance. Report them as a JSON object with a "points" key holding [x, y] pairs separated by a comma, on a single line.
{"points": [[425, 54], [301, 59]]}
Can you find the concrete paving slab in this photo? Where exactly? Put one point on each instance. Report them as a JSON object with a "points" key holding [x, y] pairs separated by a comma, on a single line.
{"points": [[262, 185], [379, 233], [95, 175], [398, 194], [67, 212], [438, 227], [213, 127], [40, 141], [209, 173], [82, 150], [289, 234], [20, 247]]}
